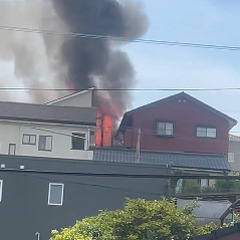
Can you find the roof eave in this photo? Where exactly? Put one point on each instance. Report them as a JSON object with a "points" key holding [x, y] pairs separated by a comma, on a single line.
{"points": [[232, 122], [91, 123]]}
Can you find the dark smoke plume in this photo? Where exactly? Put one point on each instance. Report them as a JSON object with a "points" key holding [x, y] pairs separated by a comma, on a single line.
{"points": [[100, 62], [49, 61]]}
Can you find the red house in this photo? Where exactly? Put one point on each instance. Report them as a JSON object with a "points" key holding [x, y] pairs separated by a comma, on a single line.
{"points": [[179, 123]]}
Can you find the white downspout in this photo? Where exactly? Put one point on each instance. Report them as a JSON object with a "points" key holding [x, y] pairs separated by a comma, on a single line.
{"points": [[38, 235]]}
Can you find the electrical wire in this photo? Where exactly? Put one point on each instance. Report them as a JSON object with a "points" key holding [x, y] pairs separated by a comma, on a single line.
{"points": [[119, 175], [122, 89], [97, 185], [145, 133], [202, 194], [47, 179], [121, 39]]}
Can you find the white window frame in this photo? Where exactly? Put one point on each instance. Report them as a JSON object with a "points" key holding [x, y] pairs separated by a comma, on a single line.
{"points": [[49, 194], [231, 157], [12, 149], [204, 183], [29, 139], [206, 132], [1, 188], [165, 133], [45, 149]]}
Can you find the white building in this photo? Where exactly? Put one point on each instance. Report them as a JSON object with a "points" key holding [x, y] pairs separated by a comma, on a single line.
{"points": [[60, 129]]}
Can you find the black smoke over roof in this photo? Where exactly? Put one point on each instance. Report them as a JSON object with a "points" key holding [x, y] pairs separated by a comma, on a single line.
{"points": [[100, 62]]}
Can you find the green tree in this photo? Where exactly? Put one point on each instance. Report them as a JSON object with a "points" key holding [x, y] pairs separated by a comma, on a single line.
{"points": [[139, 220]]}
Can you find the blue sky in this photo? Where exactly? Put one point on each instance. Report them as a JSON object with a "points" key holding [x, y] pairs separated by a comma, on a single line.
{"points": [[201, 21]]}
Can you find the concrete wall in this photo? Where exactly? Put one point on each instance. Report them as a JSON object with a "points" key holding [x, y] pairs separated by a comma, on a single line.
{"points": [[12, 133], [24, 207], [186, 117], [234, 148]]}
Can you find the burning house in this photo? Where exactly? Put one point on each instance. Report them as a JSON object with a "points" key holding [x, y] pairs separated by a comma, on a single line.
{"points": [[93, 57], [56, 58], [105, 121]]}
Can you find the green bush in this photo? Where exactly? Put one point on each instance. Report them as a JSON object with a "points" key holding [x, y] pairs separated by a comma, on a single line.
{"points": [[139, 220]]}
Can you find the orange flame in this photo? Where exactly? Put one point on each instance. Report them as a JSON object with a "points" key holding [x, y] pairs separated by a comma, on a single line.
{"points": [[107, 131], [98, 133], [103, 135]]}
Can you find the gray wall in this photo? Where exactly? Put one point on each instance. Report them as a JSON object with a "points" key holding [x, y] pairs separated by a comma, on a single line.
{"points": [[24, 208], [234, 147]]}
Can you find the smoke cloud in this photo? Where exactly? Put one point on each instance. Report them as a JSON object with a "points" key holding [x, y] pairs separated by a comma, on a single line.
{"points": [[53, 61], [90, 59], [25, 53]]}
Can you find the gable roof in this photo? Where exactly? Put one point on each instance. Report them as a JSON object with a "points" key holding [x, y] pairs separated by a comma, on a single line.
{"points": [[47, 113], [68, 96], [178, 160], [232, 122]]}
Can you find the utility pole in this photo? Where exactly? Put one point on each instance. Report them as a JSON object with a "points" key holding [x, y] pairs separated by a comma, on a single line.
{"points": [[138, 146]]}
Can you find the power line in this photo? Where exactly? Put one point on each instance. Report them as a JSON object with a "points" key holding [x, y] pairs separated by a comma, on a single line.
{"points": [[121, 39], [121, 175], [185, 195], [98, 186], [205, 195], [144, 132], [220, 191], [122, 89]]}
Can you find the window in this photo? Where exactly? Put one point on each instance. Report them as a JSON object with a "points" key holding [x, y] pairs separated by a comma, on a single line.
{"points": [[206, 132], [55, 194], [45, 143], [29, 139], [204, 183], [179, 186], [11, 149], [78, 141], [164, 128], [231, 157], [92, 139], [1, 186]]}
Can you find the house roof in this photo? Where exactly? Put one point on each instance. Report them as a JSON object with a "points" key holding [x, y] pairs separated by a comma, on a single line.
{"points": [[47, 113], [177, 160], [232, 122], [220, 233], [71, 95]]}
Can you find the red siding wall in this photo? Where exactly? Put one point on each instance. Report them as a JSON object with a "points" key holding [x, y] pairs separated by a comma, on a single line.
{"points": [[186, 116]]}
